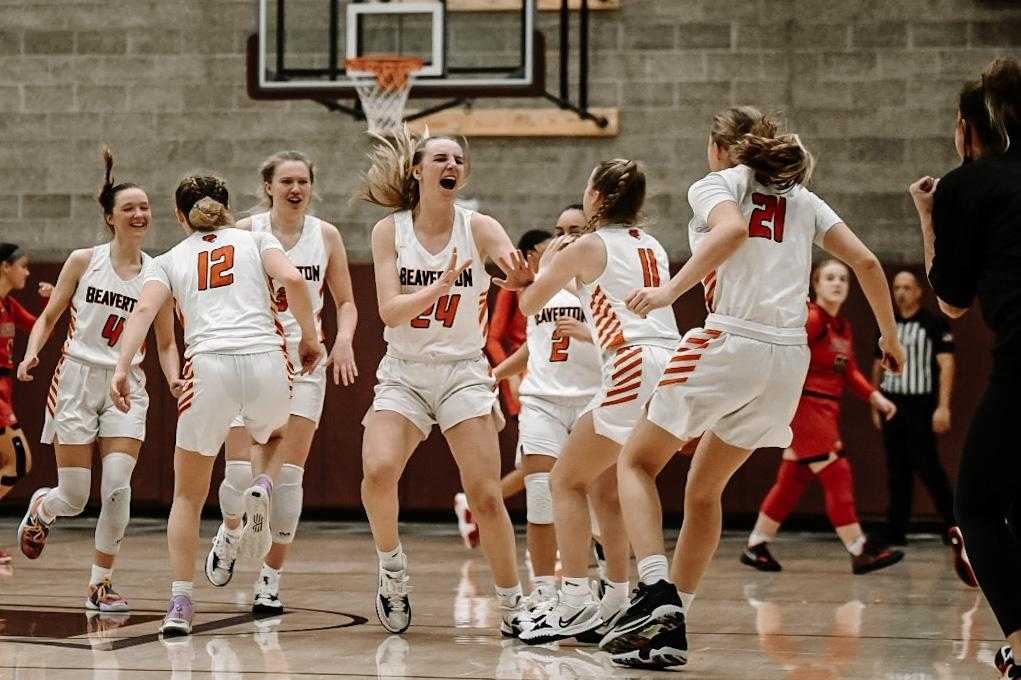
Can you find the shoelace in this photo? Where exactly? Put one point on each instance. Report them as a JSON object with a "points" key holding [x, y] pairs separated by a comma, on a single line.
{"points": [[177, 611], [105, 592], [394, 590], [35, 532]]}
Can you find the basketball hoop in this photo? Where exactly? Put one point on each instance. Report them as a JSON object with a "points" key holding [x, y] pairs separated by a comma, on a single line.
{"points": [[383, 83]]}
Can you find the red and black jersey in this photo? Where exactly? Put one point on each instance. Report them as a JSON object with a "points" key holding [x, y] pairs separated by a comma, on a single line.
{"points": [[12, 317], [832, 369]]}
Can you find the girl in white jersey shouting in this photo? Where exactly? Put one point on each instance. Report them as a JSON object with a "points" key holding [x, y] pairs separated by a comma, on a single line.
{"points": [[431, 284], [605, 266], [236, 364], [735, 383], [101, 285], [317, 250]]}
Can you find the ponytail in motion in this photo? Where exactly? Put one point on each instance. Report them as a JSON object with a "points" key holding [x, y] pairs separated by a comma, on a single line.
{"points": [[779, 161]]}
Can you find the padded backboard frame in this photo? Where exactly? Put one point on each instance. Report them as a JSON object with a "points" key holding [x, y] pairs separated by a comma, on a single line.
{"points": [[526, 79]]}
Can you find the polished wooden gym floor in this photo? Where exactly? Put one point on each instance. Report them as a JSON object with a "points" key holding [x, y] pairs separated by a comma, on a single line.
{"points": [[913, 621]]}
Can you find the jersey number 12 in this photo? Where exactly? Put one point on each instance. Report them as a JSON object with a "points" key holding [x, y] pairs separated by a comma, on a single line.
{"points": [[215, 266]]}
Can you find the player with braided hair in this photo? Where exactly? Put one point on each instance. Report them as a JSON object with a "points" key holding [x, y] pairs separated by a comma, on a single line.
{"points": [[604, 266]]}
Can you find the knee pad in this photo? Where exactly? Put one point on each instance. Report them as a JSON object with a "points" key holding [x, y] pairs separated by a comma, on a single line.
{"points": [[237, 477], [285, 510], [15, 456], [838, 484], [791, 482], [538, 498], [72, 493], [115, 490]]}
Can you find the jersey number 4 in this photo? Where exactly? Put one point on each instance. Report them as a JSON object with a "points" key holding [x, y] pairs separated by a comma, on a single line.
{"points": [[215, 266], [771, 210], [112, 329], [443, 311]]}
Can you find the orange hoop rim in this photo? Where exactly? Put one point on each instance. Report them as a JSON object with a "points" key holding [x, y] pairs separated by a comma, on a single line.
{"points": [[392, 71]]}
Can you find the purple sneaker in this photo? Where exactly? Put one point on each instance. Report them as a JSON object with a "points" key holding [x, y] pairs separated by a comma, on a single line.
{"points": [[256, 539], [179, 615]]}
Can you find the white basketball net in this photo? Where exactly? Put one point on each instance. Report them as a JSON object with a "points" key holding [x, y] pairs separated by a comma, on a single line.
{"points": [[383, 84]]}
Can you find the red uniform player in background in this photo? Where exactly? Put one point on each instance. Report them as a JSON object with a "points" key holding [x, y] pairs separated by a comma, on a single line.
{"points": [[15, 455], [816, 451]]}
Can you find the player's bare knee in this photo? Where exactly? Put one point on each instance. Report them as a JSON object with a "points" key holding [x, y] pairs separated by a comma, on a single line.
{"points": [[380, 471], [485, 499]]}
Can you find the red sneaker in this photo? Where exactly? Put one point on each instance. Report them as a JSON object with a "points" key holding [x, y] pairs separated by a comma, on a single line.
{"points": [[962, 565]]}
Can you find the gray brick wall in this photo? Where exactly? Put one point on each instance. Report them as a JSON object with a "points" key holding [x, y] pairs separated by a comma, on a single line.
{"points": [[870, 85]]}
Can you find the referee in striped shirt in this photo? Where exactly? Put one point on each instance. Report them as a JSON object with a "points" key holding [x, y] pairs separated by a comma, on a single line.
{"points": [[922, 395]]}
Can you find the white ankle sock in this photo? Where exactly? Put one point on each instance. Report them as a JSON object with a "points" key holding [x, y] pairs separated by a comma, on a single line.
{"points": [[393, 560], [509, 597], [686, 600], [653, 568], [185, 588], [273, 574], [547, 585], [99, 574], [614, 599], [856, 546], [758, 538], [575, 592]]}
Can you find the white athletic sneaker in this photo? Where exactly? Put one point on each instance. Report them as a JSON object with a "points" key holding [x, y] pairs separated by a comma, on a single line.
{"points": [[256, 539], [515, 618], [267, 596], [392, 604], [222, 557], [609, 618], [562, 622]]}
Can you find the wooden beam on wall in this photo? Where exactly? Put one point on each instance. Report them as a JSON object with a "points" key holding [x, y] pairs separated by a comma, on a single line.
{"points": [[515, 5], [544, 122]]}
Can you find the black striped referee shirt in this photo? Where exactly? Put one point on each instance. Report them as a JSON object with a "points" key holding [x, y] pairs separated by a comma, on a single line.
{"points": [[923, 336]]}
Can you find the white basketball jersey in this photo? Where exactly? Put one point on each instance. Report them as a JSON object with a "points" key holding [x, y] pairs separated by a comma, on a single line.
{"points": [[634, 259], [762, 288], [222, 291], [562, 368], [454, 327], [101, 304], [310, 257]]}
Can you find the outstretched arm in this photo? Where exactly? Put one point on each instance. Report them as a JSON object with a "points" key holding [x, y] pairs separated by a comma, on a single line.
{"points": [[154, 296], [166, 347], [728, 229], [338, 276], [61, 296]]}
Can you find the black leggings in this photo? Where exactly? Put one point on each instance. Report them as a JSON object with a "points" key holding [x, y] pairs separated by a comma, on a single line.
{"points": [[989, 497]]}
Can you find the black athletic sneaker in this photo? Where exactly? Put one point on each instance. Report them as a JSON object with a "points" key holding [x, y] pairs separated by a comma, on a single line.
{"points": [[759, 557], [874, 556], [1005, 664], [665, 650], [652, 610]]}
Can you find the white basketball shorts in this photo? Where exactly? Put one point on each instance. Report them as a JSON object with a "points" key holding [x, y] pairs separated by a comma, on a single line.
{"points": [[79, 408], [222, 387], [745, 391], [629, 378], [544, 425]]}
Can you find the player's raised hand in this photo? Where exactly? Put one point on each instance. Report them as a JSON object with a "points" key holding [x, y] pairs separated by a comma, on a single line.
{"points": [[120, 390], [893, 354], [645, 300], [922, 192], [452, 273], [517, 272], [26, 365], [572, 328]]}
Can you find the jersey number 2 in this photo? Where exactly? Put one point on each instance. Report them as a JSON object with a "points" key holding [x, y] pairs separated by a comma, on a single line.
{"points": [[560, 347], [768, 209], [112, 329], [215, 266], [445, 311]]}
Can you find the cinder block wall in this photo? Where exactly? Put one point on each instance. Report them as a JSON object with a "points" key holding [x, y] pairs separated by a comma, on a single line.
{"points": [[869, 84]]}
